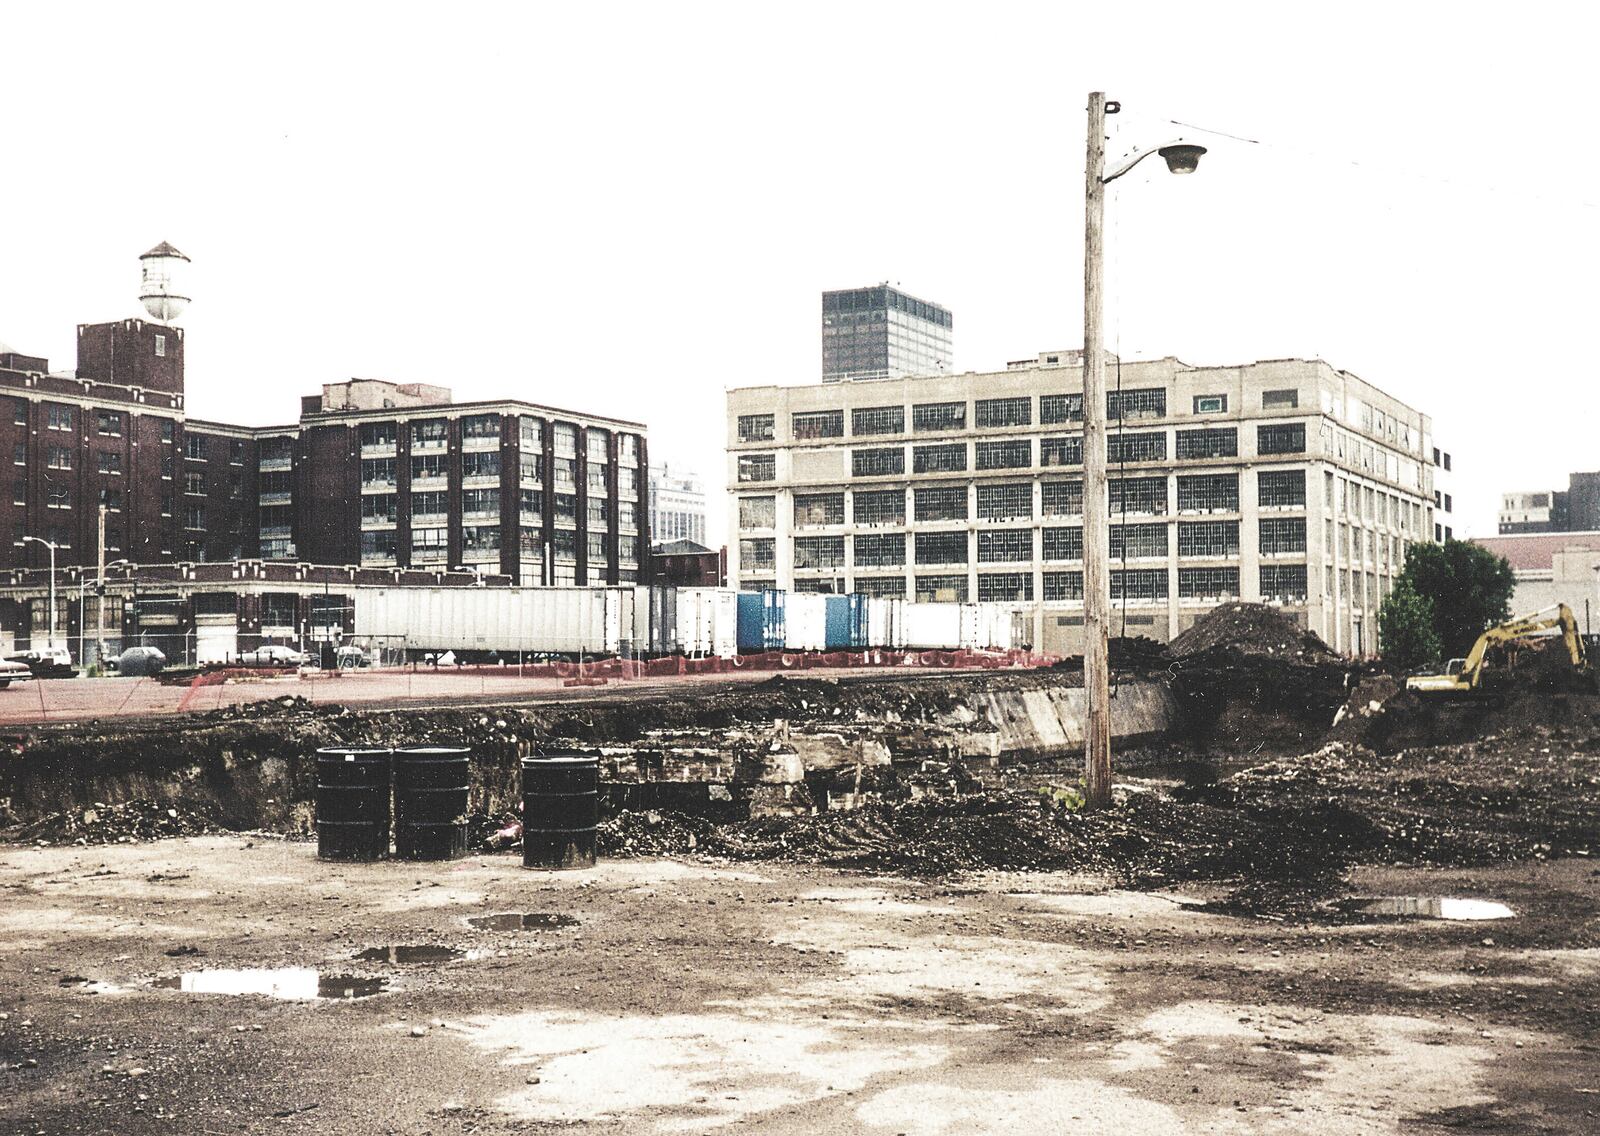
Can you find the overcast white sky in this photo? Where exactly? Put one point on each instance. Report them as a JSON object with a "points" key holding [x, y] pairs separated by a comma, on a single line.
{"points": [[628, 208]]}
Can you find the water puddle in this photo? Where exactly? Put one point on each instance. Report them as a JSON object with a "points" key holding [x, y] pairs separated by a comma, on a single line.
{"points": [[521, 921], [1429, 907], [410, 956], [291, 983]]}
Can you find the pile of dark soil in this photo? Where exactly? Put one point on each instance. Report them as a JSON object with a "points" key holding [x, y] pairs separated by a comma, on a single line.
{"points": [[1129, 654], [1252, 629], [116, 823]]}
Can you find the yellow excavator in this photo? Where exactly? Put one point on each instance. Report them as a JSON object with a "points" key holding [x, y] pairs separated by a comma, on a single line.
{"points": [[1463, 677]]}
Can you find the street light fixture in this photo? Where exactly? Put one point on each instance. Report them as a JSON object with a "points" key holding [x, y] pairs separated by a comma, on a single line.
{"points": [[52, 547], [1181, 158]]}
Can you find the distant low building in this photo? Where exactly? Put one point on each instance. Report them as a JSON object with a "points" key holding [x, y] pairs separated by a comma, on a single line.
{"points": [[1553, 568], [685, 564], [1575, 509]]}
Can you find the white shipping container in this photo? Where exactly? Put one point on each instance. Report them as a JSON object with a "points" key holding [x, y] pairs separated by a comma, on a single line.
{"points": [[508, 620], [933, 626], [991, 627], [708, 622], [886, 622], [805, 622]]}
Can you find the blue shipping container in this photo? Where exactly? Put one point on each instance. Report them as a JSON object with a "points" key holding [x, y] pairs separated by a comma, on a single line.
{"points": [[760, 621], [858, 621], [836, 634]]}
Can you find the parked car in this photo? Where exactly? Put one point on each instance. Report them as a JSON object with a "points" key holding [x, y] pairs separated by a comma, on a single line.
{"points": [[46, 662], [11, 671], [350, 657], [140, 661], [273, 655]]}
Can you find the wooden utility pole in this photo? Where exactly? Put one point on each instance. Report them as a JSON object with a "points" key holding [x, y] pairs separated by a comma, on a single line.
{"points": [[1096, 535]]}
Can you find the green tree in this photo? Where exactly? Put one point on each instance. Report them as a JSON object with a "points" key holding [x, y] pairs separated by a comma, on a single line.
{"points": [[1406, 622], [1469, 587]]}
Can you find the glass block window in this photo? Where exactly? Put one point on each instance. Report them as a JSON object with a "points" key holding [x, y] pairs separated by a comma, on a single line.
{"points": [[758, 512], [1282, 534], [1063, 543], [878, 463], [1061, 498], [881, 586], [941, 589], [1222, 442], [939, 416], [878, 420], [818, 509], [817, 424], [880, 550], [1208, 538], [756, 427], [1005, 502], [996, 412], [942, 548], [1283, 581], [1056, 408], [1142, 403], [1209, 493], [1280, 488], [941, 503], [938, 459], [818, 551], [757, 553], [1004, 546], [1059, 586], [878, 507], [1208, 583], [1005, 587], [1139, 583], [1061, 450], [1141, 447], [758, 467], [1133, 541], [1136, 495], [1288, 438], [1016, 453]]}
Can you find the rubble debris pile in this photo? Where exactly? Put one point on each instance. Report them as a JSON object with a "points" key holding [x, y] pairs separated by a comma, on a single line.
{"points": [[1251, 629], [121, 823]]}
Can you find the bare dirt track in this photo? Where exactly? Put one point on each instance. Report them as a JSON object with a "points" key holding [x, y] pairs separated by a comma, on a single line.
{"points": [[779, 998]]}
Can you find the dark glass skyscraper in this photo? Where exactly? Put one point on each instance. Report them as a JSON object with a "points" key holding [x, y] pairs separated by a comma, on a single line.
{"points": [[881, 332]]}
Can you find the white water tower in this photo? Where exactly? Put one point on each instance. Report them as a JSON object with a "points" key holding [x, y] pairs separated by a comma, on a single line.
{"points": [[165, 280]]}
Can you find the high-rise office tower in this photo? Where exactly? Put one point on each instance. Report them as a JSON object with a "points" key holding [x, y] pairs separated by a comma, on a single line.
{"points": [[882, 333]]}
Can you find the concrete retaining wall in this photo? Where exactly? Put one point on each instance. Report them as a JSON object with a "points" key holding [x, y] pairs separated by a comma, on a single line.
{"points": [[1050, 722]]}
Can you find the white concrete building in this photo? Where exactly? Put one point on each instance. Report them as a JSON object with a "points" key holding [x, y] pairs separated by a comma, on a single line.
{"points": [[1286, 481]]}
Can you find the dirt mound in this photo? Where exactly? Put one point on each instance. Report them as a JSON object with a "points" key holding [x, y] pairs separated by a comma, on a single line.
{"points": [[1251, 629]]}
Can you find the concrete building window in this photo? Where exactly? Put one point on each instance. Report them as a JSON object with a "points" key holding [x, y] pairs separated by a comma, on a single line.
{"points": [[1004, 546], [108, 424], [1287, 438], [379, 434], [1137, 495], [108, 462], [1059, 586], [480, 426], [1208, 538], [1000, 412], [379, 507], [1282, 534], [1211, 404], [879, 462], [812, 509], [435, 504], [941, 503], [1014, 454], [880, 550], [758, 512], [942, 548], [379, 545], [481, 464], [756, 553], [194, 516], [939, 459], [1140, 447], [1057, 408], [819, 551], [878, 420], [1061, 498], [1005, 502], [1281, 488], [758, 467], [817, 424], [480, 502], [1149, 402], [1061, 451], [194, 447], [1134, 541], [756, 427], [1208, 583], [939, 416], [1063, 543], [1209, 493], [1139, 583], [1280, 399], [941, 589], [893, 586], [429, 434], [1222, 442], [57, 417], [878, 507], [1004, 587]]}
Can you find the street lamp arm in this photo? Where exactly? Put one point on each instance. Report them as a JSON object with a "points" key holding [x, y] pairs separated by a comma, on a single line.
{"points": [[1177, 152]]}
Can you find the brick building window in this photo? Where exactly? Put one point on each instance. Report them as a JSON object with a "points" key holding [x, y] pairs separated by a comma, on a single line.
{"points": [[194, 483], [429, 434], [377, 471], [58, 457], [436, 504], [379, 433], [194, 516], [379, 507], [108, 423], [482, 463], [480, 426], [480, 502], [108, 462], [194, 447], [19, 409], [57, 417], [379, 545]]}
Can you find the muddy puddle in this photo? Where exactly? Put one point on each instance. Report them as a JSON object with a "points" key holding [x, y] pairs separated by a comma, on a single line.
{"points": [[410, 955], [292, 983], [1428, 907], [521, 921]]}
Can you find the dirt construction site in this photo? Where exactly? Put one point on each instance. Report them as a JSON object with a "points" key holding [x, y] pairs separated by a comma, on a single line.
{"points": [[856, 901]]}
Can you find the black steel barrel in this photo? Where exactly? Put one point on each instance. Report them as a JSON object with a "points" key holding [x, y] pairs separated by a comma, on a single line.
{"points": [[352, 804], [430, 802], [560, 810]]}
